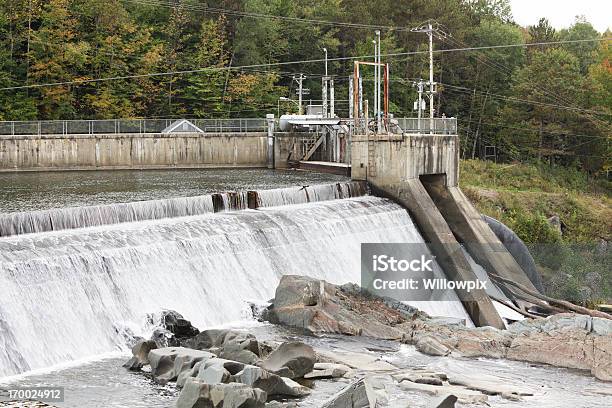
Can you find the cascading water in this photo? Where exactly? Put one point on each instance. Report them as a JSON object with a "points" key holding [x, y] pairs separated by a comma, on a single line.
{"points": [[72, 294], [16, 223]]}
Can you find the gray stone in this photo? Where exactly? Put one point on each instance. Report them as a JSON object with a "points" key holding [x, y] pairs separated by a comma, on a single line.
{"points": [[168, 363], [240, 353], [356, 395], [447, 401], [273, 384], [197, 394], [431, 346], [140, 354], [328, 373], [291, 359]]}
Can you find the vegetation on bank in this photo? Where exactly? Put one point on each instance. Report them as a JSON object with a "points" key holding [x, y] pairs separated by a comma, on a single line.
{"points": [[576, 264]]}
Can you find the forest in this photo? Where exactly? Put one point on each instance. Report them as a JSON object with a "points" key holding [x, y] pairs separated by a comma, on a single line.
{"points": [[546, 95]]}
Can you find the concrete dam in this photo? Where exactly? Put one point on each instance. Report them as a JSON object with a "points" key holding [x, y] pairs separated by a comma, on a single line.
{"points": [[79, 281]]}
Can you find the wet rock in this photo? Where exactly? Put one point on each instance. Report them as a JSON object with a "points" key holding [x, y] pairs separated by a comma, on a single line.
{"points": [[489, 385], [510, 396], [165, 338], [273, 384], [431, 346], [464, 395], [168, 363], [327, 373], [320, 307], [361, 361], [359, 394], [198, 394], [140, 355], [291, 359], [447, 401], [176, 324]]}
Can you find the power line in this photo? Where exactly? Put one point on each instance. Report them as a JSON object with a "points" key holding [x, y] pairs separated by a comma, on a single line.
{"points": [[513, 99], [277, 64], [238, 13]]}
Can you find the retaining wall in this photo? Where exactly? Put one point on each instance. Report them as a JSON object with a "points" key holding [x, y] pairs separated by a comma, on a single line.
{"points": [[132, 151]]}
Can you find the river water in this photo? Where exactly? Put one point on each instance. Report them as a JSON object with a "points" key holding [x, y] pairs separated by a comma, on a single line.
{"points": [[44, 190]]}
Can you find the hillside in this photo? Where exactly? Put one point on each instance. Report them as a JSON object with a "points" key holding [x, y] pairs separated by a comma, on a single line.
{"points": [[575, 265]]}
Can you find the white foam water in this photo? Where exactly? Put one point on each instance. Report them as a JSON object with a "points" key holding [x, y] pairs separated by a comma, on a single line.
{"points": [[26, 222], [71, 294]]}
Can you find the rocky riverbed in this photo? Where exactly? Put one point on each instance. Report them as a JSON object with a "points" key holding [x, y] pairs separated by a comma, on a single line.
{"points": [[330, 346], [376, 365]]}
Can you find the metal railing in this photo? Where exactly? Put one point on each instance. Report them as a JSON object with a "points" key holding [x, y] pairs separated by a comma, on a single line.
{"points": [[139, 126], [438, 126]]}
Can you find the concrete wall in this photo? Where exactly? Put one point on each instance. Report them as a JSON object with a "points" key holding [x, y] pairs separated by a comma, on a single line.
{"points": [[386, 159], [126, 151]]}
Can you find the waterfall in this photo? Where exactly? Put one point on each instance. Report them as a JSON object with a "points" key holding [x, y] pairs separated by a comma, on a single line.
{"points": [[74, 293], [89, 216]]}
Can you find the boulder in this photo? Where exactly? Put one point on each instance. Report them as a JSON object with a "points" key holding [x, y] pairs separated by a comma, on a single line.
{"points": [[431, 346], [164, 338], [198, 394], [291, 359], [176, 324], [168, 363], [320, 307], [273, 384], [327, 373], [231, 344], [447, 401], [140, 355], [359, 394]]}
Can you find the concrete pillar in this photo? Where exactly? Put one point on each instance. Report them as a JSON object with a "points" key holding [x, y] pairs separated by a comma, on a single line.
{"points": [[270, 121]]}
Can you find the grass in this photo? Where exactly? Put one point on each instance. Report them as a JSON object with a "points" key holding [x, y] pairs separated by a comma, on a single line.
{"points": [[517, 193], [575, 265]]}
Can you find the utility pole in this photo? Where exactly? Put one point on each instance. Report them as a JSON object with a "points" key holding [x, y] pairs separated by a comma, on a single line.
{"points": [[325, 51], [378, 79], [300, 80], [419, 102], [375, 79], [430, 30]]}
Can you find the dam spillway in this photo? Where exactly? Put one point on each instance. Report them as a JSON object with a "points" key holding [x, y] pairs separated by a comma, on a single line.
{"points": [[75, 293]]}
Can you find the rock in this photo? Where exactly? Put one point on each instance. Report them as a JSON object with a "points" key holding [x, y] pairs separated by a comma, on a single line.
{"points": [[320, 307], [236, 352], [602, 357], [331, 366], [168, 363], [176, 324], [213, 371], [140, 355], [489, 385], [291, 359], [356, 395], [197, 394], [510, 396], [328, 373], [556, 224], [431, 346], [447, 401], [415, 375], [273, 384], [360, 361], [165, 338], [464, 395], [222, 339]]}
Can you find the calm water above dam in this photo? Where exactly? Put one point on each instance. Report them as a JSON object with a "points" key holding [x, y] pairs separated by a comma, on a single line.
{"points": [[45, 190]]}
